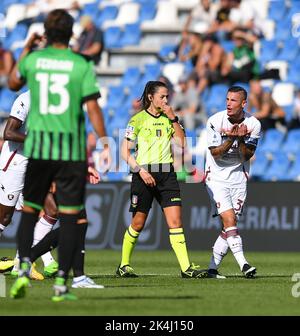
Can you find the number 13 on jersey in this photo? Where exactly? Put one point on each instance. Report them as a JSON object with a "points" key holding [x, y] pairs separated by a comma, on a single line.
{"points": [[53, 84]]}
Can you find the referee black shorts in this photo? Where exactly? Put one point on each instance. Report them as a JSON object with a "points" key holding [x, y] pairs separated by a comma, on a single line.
{"points": [[70, 179], [166, 191]]}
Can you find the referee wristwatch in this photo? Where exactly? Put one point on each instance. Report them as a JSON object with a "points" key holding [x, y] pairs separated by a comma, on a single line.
{"points": [[174, 120]]}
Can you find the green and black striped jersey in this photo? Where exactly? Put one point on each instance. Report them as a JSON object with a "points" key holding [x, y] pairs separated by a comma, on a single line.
{"points": [[60, 81]]}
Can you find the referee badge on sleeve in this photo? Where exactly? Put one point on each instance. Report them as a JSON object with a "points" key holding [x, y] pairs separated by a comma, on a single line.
{"points": [[129, 131]]}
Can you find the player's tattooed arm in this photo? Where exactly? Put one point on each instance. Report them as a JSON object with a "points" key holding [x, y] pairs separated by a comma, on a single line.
{"points": [[11, 131]]}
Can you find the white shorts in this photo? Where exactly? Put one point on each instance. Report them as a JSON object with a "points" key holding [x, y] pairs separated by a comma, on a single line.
{"points": [[11, 186], [224, 198]]}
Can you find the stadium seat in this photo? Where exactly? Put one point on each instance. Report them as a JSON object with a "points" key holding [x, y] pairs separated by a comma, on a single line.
{"points": [[290, 50], [277, 10], [7, 98], [147, 11], [259, 165], [293, 173], [18, 34], [152, 69], [15, 13], [293, 72], [283, 93], [128, 13], [268, 50], [167, 53], [131, 76], [131, 35], [106, 13], [166, 16], [292, 143], [272, 141], [278, 168], [173, 71], [91, 9], [116, 97], [112, 36], [216, 99], [283, 29]]}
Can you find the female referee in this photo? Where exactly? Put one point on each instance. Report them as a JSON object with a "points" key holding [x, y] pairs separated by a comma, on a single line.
{"points": [[150, 132]]}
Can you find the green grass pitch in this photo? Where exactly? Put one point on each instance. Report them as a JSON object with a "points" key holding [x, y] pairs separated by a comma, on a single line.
{"points": [[159, 290]]}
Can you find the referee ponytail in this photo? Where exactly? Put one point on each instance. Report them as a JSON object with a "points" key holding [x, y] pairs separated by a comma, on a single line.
{"points": [[150, 89]]}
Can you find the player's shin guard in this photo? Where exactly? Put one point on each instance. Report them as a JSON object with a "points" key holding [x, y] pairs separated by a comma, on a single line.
{"points": [[220, 249], [129, 241], [25, 234], [78, 263], [234, 241], [42, 227], [67, 243], [178, 244]]}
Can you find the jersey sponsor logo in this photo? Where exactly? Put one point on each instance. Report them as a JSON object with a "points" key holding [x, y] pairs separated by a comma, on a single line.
{"points": [[175, 199]]}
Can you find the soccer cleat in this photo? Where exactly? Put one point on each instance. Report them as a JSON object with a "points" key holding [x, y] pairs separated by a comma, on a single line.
{"points": [[214, 274], [194, 271], [249, 271], [67, 296], [6, 264], [18, 289], [34, 274], [85, 282], [51, 270], [61, 292], [125, 272]]}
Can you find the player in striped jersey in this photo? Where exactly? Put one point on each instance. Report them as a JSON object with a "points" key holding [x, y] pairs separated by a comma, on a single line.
{"points": [[60, 82]]}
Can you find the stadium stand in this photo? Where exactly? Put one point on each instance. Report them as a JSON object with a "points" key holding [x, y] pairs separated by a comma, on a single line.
{"points": [[141, 40]]}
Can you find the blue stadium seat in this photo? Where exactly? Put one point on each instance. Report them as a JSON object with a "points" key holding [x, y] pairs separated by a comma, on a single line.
{"points": [[112, 36], [152, 69], [17, 34], [131, 76], [272, 141], [131, 35], [116, 97], [294, 172], [290, 50], [259, 166], [216, 100], [147, 11], [91, 9], [292, 143], [7, 98], [167, 52], [278, 168], [294, 71], [268, 50], [283, 29], [107, 13], [277, 10]]}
